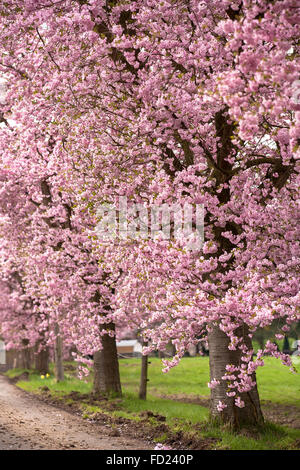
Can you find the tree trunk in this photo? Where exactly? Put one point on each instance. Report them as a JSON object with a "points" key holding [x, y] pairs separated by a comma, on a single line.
{"points": [[19, 359], [58, 355], [42, 361], [26, 357], [144, 377], [106, 366], [219, 357]]}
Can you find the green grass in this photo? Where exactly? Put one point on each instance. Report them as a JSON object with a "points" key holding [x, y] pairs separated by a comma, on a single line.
{"points": [[69, 385], [12, 373], [275, 381], [166, 407], [189, 379], [271, 437]]}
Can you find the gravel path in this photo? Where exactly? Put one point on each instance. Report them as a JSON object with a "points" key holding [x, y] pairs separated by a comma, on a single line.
{"points": [[28, 423]]}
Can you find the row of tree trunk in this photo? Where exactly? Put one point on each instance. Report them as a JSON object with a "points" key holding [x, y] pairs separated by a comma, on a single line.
{"points": [[107, 375], [107, 378], [28, 358]]}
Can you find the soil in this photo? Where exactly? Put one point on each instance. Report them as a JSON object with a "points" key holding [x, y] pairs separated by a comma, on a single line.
{"points": [[27, 423], [286, 415]]}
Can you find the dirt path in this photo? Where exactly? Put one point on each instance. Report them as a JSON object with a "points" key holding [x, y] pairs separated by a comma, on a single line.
{"points": [[28, 423]]}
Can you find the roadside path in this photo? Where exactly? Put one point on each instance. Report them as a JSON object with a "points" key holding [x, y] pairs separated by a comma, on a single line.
{"points": [[26, 423]]}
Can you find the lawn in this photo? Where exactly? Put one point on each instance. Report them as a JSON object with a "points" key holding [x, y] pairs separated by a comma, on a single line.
{"points": [[179, 395], [190, 377]]}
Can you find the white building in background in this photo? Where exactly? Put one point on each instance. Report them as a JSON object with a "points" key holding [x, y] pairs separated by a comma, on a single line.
{"points": [[2, 353], [129, 347]]}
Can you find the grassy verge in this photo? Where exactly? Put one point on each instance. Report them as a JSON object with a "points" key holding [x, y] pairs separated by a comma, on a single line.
{"points": [[173, 412], [275, 381]]}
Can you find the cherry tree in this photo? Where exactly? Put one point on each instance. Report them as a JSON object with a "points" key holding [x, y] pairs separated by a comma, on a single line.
{"points": [[173, 103], [59, 272]]}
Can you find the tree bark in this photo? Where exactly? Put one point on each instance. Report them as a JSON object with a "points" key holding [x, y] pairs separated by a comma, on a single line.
{"points": [[42, 361], [58, 355], [106, 366], [144, 376], [26, 358], [219, 357]]}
